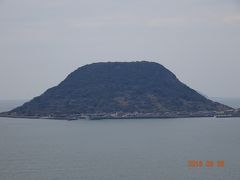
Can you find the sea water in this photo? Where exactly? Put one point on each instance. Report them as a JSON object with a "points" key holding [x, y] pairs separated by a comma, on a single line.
{"points": [[131, 149]]}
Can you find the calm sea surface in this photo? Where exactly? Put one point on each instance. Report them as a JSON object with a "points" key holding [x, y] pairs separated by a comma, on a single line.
{"points": [[146, 149]]}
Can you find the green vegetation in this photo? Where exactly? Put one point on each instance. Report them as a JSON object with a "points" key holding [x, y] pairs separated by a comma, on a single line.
{"points": [[144, 87]]}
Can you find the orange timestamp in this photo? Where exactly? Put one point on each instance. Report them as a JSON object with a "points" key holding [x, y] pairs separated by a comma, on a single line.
{"points": [[207, 163]]}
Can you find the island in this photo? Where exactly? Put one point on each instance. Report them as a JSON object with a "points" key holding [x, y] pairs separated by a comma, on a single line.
{"points": [[119, 90]]}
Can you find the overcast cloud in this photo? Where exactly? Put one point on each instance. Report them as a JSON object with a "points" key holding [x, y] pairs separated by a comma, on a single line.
{"points": [[41, 41]]}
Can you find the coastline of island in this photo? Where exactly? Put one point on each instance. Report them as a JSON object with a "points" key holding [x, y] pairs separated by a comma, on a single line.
{"points": [[135, 115]]}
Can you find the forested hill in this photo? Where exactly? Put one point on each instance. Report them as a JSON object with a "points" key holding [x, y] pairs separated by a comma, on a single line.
{"points": [[109, 87]]}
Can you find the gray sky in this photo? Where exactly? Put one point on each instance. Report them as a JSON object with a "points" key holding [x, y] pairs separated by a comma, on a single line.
{"points": [[41, 41]]}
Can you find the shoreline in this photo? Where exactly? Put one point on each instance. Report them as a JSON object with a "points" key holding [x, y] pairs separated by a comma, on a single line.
{"points": [[125, 115], [100, 118]]}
